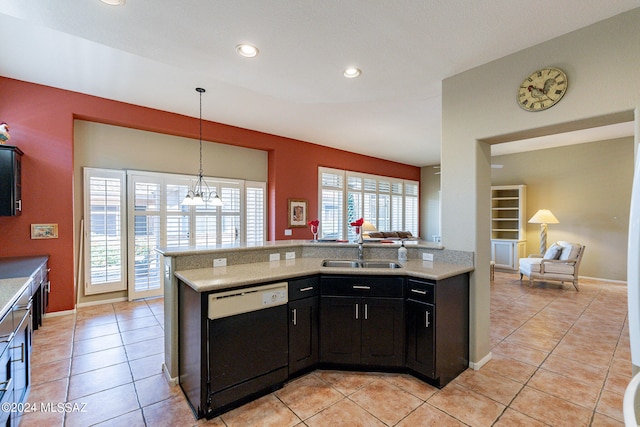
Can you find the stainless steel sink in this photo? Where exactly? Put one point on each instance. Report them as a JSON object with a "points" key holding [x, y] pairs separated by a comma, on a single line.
{"points": [[348, 263], [341, 263], [380, 264]]}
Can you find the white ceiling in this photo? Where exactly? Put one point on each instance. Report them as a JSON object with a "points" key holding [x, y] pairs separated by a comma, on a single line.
{"points": [[154, 54]]}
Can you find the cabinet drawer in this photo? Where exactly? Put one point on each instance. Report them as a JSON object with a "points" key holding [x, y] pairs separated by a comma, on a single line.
{"points": [[304, 287], [421, 290], [366, 286]]}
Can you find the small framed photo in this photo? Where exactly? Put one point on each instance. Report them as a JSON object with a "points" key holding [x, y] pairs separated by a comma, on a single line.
{"points": [[44, 231], [297, 213]]}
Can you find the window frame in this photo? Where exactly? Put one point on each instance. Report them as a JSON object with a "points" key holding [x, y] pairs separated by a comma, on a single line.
{"points": [[371, 191], [92, 288], [128, 179]]}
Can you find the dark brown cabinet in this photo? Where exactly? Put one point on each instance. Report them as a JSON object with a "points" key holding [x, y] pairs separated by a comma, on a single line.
{"points": [[437, 328], [41, 288], [10, 181], [362, 321], [304, 305]]}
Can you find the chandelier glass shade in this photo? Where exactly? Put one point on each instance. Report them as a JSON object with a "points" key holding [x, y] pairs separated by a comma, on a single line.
{"points": [[201, 193]]}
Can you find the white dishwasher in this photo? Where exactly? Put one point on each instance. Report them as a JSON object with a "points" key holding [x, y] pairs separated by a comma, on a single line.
{"points": [[247, 344]]}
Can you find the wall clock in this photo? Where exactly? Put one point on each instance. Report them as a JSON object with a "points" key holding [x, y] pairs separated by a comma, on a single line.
{"points": [[542, 89]]}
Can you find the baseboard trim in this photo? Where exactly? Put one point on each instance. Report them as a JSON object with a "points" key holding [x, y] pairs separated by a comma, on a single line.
{"points": [[172, 381], [60, 313], [100, 302], [477, 365], [600, 279]]}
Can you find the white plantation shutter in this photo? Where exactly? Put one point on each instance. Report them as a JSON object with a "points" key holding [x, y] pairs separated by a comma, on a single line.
{"points": [[332, 204], [411, 209], [382, 201], [118, 257], [144, 268], [255, 196], [104, 231]]}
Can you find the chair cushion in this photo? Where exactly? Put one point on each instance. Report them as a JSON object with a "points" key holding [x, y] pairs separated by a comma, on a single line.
{"points": [[553, 252], [532, 265], [569, 250]]}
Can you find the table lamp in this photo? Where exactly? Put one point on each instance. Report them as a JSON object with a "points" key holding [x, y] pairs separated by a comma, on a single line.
{"points": [[543, 217]]}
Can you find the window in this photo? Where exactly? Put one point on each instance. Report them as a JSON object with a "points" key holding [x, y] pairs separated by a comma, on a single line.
{"points": [[118, 256], [387, 203]]}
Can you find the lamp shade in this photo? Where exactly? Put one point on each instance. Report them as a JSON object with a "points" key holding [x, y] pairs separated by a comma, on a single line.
{"points": [[367, 226], [544, 216]]}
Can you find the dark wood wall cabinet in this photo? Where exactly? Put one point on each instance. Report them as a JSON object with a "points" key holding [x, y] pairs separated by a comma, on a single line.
{"points": [[378, 323], [10, 181]]}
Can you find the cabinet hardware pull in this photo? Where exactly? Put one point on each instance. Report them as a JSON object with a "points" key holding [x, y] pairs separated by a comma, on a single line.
{"points": [[308, 288], [7, 385], [418, 291], [361, 287], [19, 205], [21, 353], [357, 309], [295, 316], [366, 312], [426, 319], [25, 307], [6, 338]]}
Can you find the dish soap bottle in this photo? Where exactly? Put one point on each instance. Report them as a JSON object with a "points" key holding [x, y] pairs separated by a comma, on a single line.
{"points": [[402, 252]]}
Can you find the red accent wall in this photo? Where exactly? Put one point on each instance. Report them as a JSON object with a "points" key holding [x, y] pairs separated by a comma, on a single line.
{"points": [[41, 119]]}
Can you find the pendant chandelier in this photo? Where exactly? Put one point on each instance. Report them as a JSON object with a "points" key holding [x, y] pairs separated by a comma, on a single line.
{"points": [[200, 193]]}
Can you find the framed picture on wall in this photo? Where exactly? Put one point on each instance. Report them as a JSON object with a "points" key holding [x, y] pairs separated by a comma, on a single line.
{"points": [[44, 231], [297, 213]]}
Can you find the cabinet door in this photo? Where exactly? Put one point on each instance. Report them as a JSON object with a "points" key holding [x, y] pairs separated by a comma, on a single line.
{"points": [[10, 181], [340, 326], [421, 337], [303, 334], [382, 332], [21, 375], [503, 252]]}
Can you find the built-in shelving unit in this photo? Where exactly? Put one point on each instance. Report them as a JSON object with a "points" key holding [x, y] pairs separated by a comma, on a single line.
{"points": [[508, 234]]}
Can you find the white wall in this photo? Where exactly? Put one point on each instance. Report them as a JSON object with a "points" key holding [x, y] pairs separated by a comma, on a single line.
{"points": [[479, 107]]}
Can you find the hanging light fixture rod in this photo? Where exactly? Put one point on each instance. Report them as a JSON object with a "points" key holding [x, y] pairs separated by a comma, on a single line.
{"points": [[201, 193]]}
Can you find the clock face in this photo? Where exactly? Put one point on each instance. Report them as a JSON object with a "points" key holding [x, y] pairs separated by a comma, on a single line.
{"points": [[542, 89]]}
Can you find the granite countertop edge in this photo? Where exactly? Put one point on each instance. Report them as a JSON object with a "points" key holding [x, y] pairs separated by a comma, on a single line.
{"points": [[10, 291], [282, 244], [220, 278]]}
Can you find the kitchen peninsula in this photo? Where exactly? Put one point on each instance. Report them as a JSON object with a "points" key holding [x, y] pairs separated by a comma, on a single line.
{"points": [[277, 303]]}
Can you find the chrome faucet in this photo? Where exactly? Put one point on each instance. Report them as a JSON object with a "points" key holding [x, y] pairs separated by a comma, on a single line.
{"points": [[360, 247]]}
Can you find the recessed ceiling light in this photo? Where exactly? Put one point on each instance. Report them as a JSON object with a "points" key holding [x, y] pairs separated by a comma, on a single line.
{"points": [[352, 72], [247, 50], [114, 2]]}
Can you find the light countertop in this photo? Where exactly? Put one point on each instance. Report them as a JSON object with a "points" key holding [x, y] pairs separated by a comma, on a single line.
{"points": [[213, 279], [15, 275]]}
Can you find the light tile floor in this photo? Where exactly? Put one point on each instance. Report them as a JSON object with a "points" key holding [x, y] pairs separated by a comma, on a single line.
{"points": [[560, 358]]}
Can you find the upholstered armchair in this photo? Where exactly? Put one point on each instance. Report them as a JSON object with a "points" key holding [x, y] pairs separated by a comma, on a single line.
{"points": [[561, 262]]}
